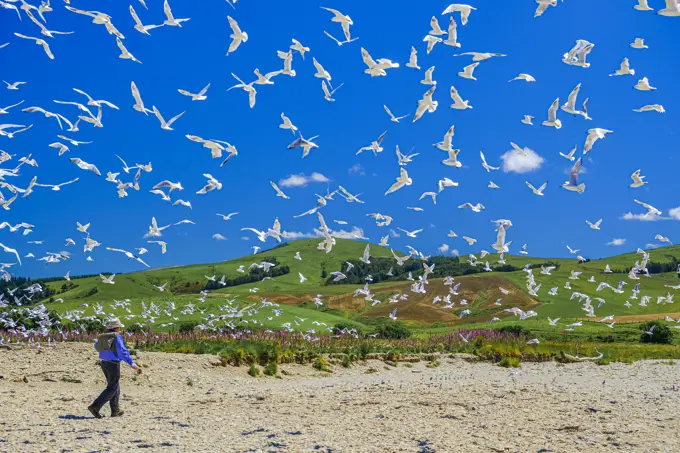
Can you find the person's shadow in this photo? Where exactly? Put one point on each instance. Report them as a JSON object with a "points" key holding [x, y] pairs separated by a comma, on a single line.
{"points": [[74, 417]]}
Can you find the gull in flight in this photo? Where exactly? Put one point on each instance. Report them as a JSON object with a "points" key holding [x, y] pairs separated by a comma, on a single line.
{"points": [[237, 36], [265, 79], [436, 29], [365, 258], [139, 104], [85, 166], [124, 53], [108, 279], [376, 68], [672, 9], [412, 60], [130, 255], [519, 150], [47, 114], [553, 322], [279, 193], [215, 146], [426, 104], [99, 19], [411, 234], [527, 120], [404, 159], [442, 183], [464, 11], [169, 184], [660, 238], [321, 73], [486, 166], [452, 160], [287, 124], [57, 187], [165, 125], [637, 180], [328, 95], [297, 45], [306, 144], [552, 116], [480, 56], [538, 191], [452, 34], [573, 184], [643, 85], [468, 70], [643, 6], [374, 146], [139, 26], [572, 251], [578, 54], [200, 96], [624, 69], [651, 108], [10, 250], [594, 226], [393, 118], [73, 142], [458, 102], [402, 180], [247, 87], [639, 43], [210, 185], [171, 21], [164, 246], [493, 185], [525, 77], [651, 210], [428, 77], [475, 208], [287, 58], [43, 30], [570, 105], [228, 216], [11, 135], [337, 41], [15, 85], [431, 41], [543, 5], [343, 20], [40, 42], [183, 203], [593, 136]]}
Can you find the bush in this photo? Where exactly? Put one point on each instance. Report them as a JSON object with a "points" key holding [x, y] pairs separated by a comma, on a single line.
{"points": [[321, 364], [272, 369], [510, 362], [393, 330], [187, 326], [253, 371], [661, 334], [514, 329]]}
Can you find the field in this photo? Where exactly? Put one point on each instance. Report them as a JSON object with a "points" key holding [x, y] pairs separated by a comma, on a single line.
{"points": [[479, 293]]}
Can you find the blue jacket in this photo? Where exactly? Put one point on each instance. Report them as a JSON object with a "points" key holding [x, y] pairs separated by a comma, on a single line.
{"points": [[121, 354]]}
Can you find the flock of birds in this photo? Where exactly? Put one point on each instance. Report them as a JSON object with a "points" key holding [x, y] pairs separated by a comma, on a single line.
{"points": [[90, 110]]}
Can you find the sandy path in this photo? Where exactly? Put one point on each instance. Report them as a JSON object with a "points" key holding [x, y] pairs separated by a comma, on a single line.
{"points": [[457, 407]]}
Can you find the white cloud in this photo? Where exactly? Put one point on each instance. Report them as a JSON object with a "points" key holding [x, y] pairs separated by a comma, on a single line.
{"points": [[443, 248], [245, 238], [651, 218], [455, 252], [357, 169], [513, 162], [652, 246], [394, 234], [301, 180], [617, 242], [675, 213], [219, 237], [295, 235], [355, 233]]}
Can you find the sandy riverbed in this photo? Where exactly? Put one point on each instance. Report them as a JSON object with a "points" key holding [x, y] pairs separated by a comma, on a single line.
{"points": [[183, 403]]}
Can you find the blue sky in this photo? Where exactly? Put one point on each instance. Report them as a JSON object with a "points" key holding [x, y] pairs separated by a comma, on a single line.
{"points": [[194, 55]]}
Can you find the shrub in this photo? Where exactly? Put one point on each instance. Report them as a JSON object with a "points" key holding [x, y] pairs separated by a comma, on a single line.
{"points": [[253, 371], [321, 364], [510, 362], [272, 369], [661, 334], [514, 329], [187, 326], [393, 330]]}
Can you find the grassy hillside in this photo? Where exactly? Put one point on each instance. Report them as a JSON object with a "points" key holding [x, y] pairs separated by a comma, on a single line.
{"points": [[481, 291]]}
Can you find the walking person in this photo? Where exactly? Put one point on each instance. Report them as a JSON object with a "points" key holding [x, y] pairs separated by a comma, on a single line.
{"points": [[112, 351]]}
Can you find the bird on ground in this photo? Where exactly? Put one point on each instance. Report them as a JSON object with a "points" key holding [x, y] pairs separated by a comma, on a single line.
{"points": [[200, 96], [237, 36]]}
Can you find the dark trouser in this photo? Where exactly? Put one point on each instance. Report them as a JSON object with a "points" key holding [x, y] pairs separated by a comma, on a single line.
{"points": [[112, 391]]}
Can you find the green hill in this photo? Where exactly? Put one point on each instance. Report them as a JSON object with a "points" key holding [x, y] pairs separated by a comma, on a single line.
{"points": [[480, 291]]}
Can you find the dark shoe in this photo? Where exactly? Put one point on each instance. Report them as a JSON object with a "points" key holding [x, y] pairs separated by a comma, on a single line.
{"points": [[117, 413], [94, 411]]}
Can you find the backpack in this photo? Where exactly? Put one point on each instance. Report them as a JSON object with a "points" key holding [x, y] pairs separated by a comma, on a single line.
{"points": [[106, 342]]}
